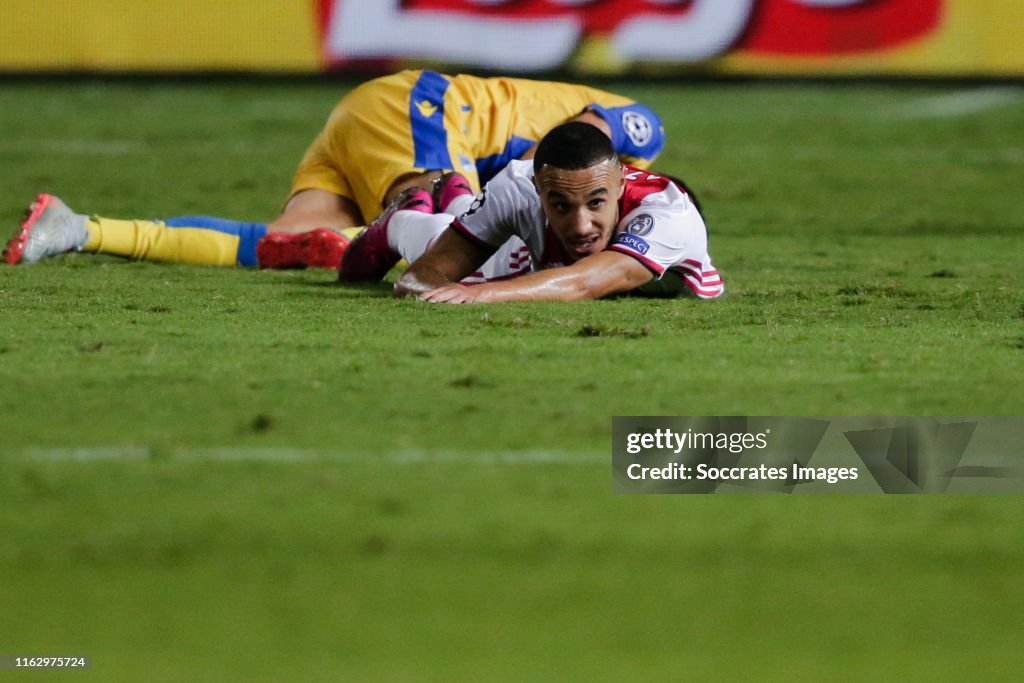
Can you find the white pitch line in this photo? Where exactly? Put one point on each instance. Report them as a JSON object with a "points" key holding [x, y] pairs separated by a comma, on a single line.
{"points": [[296, 455], [962, 103], [85, 454]]}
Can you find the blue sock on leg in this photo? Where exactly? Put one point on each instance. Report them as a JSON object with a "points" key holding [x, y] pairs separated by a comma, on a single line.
{"points": [[249, 234]]}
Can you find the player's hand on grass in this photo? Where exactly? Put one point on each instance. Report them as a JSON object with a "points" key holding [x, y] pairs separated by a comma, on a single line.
{"points": [[450, 294]]}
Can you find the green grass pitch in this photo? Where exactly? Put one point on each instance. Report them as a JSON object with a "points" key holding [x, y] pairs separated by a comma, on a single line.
{"points": [[220, 474]]}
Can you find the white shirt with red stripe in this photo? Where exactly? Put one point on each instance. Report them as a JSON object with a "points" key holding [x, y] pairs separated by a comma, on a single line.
{"points": [[659, 226]]}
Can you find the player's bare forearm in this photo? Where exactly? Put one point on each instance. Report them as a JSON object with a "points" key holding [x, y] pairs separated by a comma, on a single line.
{"points": [[592, 278], [558, 284], [419, 281], [450, 259]]}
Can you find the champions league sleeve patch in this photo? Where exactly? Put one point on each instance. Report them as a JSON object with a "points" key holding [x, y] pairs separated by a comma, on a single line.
{"points": [[632, 242], [636, 129], [640, 225]]}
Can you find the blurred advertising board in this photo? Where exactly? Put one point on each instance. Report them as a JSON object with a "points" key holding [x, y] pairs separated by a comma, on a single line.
{"points": [[898, 37], [608, 37]]}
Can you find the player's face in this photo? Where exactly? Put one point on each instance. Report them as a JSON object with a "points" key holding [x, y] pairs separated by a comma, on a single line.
{"points": [[582, 206]]}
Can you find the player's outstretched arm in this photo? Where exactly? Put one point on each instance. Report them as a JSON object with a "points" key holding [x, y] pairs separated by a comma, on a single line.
{"points": [[596, 276], [451, 258]]}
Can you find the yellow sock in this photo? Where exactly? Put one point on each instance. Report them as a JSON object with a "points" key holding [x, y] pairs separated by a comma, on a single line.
{"points": [[154, 241]]}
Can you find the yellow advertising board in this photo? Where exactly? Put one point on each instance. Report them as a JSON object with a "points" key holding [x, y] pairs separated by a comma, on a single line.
{"points": [[158, 35]]}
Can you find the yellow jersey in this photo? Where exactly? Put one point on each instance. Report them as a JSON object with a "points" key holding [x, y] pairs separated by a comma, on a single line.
{"points": [[416, 121]]}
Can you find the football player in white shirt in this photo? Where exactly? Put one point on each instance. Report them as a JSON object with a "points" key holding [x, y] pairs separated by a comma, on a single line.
{"points": [[591, 227]]}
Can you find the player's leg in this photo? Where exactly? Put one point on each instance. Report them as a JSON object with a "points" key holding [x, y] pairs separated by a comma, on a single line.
{"points": [[373, 253], [319, 206], [310, 232], [315, 208], [406, 229], [51, 228], [321, 215], [411, 234], [453, 194], [314, 230], [201, 240]]}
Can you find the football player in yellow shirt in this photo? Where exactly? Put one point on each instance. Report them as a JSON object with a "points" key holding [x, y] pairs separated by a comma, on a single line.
{"points": [[385, 136]]}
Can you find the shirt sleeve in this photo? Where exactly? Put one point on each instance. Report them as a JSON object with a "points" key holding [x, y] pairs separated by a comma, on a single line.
{"points": [[494, 215], [637, 132], [672, 242], [662, 236]]}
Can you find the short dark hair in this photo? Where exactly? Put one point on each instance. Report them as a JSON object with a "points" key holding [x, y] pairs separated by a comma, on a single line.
{"points": [[573, 146]]}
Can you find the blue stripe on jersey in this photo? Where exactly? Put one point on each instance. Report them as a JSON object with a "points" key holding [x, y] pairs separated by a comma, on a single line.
{"points": [[426, 116], [249, 234], [636, 129], [488, 167]]}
